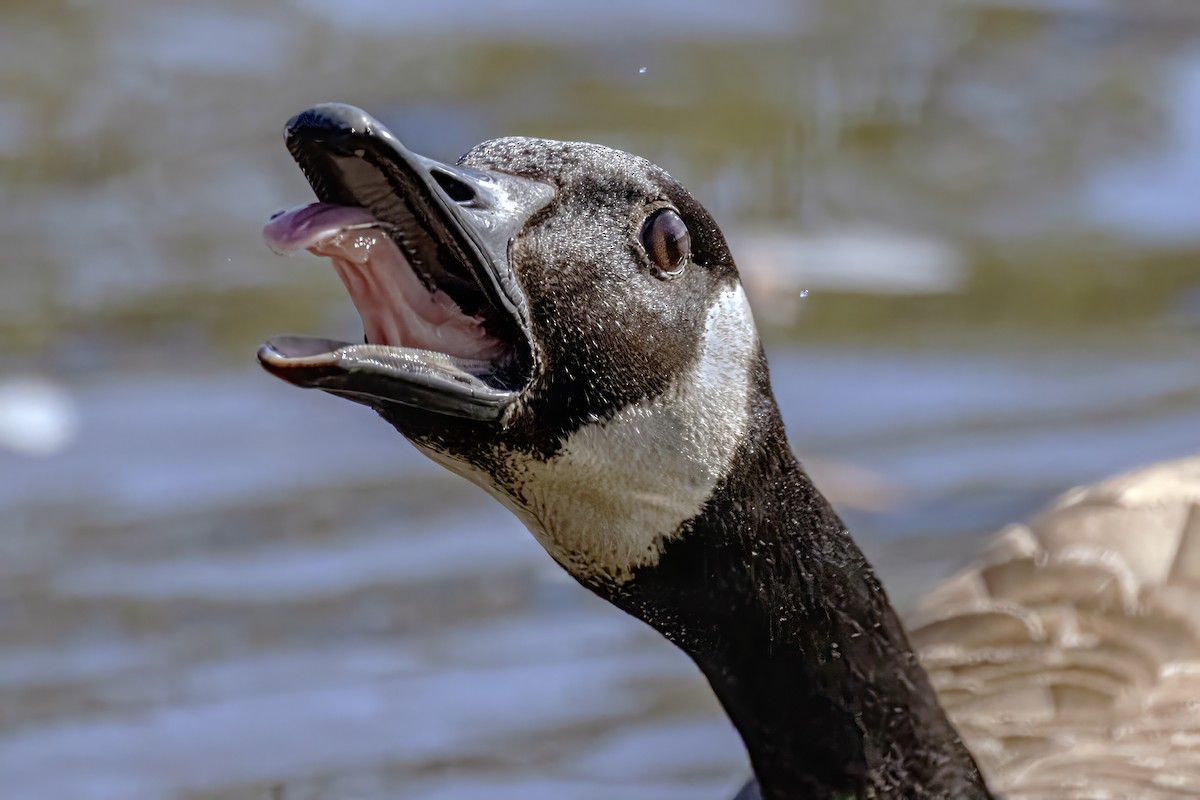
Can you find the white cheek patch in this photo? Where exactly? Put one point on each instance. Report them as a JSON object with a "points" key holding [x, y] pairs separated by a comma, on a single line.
{"points": [[617, 491]]}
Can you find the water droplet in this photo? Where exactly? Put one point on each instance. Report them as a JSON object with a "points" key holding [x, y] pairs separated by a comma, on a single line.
{"points": [[804, 292], [641, 70]]}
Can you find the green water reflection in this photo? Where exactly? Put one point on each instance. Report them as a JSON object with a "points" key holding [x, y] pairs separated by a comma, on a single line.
{"points": [[139, 153]]}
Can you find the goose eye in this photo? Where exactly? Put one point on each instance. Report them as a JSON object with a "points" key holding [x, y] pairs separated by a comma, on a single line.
{"points": [[667, 241]]}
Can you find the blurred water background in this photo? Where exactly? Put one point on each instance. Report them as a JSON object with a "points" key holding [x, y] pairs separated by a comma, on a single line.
{"points": [[970, 229]]}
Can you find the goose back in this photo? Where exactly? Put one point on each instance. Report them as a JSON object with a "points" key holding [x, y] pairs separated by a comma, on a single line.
{"points": [[1068, 654]]}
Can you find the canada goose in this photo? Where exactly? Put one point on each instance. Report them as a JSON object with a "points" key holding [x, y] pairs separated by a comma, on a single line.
{"points": [[562, 324]]}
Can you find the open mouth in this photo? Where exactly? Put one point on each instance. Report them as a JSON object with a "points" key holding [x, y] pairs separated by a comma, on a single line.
{"points": [[422, 248]]}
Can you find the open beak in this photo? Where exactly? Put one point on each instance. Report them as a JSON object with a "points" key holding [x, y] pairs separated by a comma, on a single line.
{"points": [[423, 249]]}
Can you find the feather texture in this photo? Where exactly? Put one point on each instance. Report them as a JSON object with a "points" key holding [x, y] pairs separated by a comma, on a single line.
{"points": [[1068, 654]]}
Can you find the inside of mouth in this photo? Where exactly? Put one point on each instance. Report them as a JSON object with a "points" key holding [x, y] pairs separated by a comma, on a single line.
{"points": [[402, 300]]}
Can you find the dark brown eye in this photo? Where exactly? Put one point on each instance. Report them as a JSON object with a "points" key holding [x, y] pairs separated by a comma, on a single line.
{"points": [[667, 242]]}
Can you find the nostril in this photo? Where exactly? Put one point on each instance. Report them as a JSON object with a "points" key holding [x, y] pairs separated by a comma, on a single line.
{"points": [[457, 191]]}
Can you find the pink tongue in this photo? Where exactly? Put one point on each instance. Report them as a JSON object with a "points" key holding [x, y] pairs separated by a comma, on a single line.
{"points": [[395, 307], [302, 227]]}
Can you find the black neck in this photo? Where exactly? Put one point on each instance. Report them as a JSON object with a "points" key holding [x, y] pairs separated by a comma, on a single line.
{"points": [[776, 604]]}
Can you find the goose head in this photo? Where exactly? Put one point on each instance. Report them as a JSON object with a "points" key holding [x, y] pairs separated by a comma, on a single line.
{"points": [[561, 323]]}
